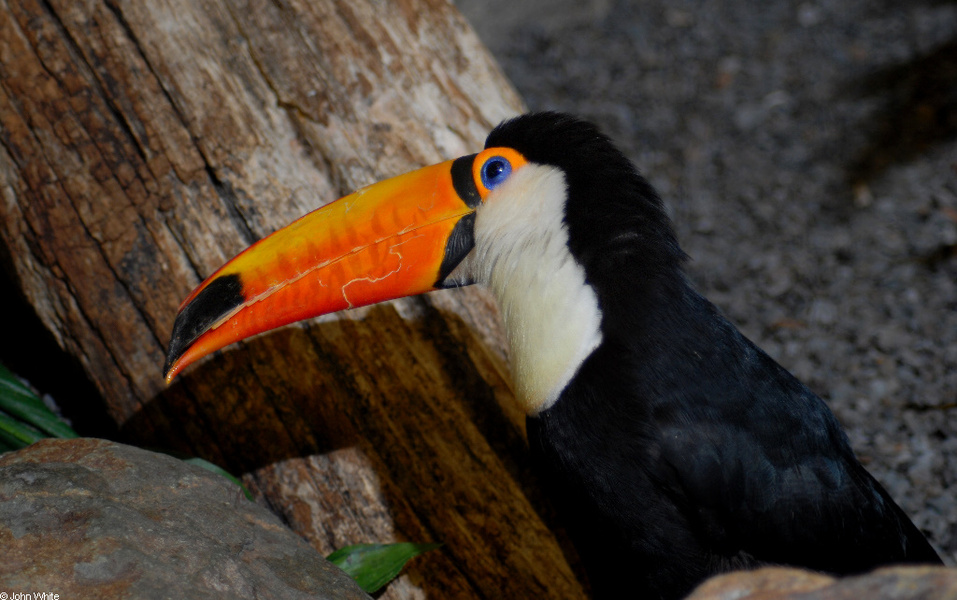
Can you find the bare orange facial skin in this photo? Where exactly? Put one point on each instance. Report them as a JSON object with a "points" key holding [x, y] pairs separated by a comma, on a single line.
{"points": [[514, 158]]}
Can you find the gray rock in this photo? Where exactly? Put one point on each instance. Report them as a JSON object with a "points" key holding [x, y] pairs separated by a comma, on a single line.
{"points": [[88, 518]]}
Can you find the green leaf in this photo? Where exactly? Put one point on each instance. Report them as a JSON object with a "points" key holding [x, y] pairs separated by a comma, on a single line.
{"points": [[199, 462], [16, 433], [374, 565], [18, 401]]}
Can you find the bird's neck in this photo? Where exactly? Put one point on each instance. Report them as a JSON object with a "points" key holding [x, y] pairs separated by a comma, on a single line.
{"points": [[552, 319], [552, 323]]}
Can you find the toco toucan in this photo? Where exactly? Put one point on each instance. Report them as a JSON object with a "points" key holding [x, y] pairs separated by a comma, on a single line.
{"points": [[674, 447]]}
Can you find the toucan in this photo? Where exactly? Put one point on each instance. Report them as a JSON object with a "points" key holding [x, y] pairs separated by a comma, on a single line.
{"points": [[673, 446]]}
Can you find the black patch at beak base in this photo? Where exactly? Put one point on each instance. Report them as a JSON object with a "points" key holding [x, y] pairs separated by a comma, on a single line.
{"points": [[460, 243]]}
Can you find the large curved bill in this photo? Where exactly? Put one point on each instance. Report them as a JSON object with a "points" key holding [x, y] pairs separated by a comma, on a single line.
{"points": [[396, 238]]}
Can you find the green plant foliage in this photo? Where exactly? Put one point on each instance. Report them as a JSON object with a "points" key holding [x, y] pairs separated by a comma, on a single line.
{"points": [[24, 418], [374, 565]]}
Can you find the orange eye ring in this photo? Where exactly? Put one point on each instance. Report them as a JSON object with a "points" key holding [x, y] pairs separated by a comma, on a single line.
{"points": [[494, 166]]}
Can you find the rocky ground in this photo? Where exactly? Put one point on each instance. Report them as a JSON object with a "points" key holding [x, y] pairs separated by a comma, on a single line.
{"points": [[808, 155]]}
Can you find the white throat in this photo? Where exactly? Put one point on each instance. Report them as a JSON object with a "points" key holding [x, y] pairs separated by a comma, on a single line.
{"points": [[552, 319]]}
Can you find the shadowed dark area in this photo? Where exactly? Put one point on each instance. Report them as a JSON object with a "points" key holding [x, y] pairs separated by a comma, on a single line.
{"points": [[919, 111], [30, 351], [331, 405]]}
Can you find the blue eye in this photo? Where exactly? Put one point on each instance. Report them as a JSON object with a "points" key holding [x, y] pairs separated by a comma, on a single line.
{"points": [[495, 171]]}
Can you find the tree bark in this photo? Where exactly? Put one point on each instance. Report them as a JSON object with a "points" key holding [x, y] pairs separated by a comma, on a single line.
{"points": [[142, 144]]}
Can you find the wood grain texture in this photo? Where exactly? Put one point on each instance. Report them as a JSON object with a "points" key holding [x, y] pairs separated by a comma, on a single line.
{"points": [[142, 144]]}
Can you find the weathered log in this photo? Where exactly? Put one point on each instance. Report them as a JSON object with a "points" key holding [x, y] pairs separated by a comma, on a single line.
{"points": [[144, 143]]}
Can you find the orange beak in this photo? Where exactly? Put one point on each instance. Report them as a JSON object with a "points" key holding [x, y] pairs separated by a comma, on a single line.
{"points": [[396, 238]]}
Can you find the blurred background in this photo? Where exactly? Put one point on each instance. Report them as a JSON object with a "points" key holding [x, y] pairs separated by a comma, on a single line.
{"points": [[807, 152]]}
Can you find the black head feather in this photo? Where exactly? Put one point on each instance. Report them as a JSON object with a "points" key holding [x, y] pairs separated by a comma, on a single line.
{"points": [[617, 226]]}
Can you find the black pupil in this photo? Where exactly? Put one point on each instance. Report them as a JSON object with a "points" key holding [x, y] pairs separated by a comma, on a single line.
{"points": [[494, 169]]}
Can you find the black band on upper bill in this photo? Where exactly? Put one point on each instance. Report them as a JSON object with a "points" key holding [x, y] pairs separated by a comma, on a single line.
{"points": [[464, 182], [220, 297]]}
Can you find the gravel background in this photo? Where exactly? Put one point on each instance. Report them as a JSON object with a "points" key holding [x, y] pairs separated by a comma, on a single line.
{"points": [[808, 155]]}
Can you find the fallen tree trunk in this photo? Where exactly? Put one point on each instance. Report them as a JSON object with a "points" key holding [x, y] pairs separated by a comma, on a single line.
{"points": [[143, 144]]}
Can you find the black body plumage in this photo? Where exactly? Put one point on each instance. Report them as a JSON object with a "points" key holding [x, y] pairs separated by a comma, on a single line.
{"points": [[680, 449]]}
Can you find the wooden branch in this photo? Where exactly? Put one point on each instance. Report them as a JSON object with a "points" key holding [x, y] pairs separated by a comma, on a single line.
{"points": [[142, 144]]}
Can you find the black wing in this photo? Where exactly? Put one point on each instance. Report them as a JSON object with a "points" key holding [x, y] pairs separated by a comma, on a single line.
{"points": [[761, 463]]}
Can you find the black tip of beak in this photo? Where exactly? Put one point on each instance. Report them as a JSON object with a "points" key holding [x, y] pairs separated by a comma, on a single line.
{"points": [[221, 296]]}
